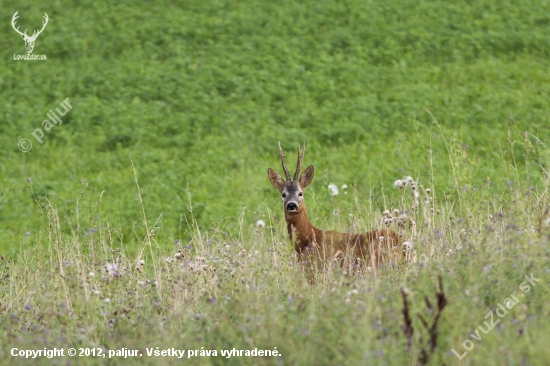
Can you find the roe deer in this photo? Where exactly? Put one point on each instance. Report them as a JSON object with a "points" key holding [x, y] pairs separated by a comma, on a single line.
{"points": [[368, 247]]}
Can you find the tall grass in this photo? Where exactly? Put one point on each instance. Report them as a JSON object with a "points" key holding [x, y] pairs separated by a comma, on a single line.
{"points": [[79, 285]]}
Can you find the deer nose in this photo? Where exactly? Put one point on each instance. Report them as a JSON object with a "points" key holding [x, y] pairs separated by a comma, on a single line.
{"points": [[291, 206]]}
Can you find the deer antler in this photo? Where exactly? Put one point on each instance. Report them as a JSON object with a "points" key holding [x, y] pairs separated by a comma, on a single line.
{"points": [[287, 174], [36, 33], [299, 164], [13, 19], [24, 34]]}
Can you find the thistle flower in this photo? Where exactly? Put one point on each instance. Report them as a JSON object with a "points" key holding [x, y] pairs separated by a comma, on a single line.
{"points": [[399, 183], [111, 269], [387, 219], [333, 188], [410, 181], [260, 223]]}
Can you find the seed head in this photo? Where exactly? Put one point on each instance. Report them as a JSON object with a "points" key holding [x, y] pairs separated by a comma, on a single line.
{"points": [[333, 189]]}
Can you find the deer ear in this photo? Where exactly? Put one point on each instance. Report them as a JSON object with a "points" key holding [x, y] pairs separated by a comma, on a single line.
{"points": [[306, 177], [275, 179]]}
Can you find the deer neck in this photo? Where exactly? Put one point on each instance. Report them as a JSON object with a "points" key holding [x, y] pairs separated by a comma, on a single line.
{"points": [[302, 232]]}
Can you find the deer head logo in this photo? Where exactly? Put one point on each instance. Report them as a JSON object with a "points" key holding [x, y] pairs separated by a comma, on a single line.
{"points": [[29, 40]]}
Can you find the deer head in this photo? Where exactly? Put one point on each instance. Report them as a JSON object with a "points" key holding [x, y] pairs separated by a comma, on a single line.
{"points": [[292, 190], [29, 41]]}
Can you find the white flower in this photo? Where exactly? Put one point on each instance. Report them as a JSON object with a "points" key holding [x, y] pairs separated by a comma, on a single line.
{"points": [[91, 274], [333, 188], [344, 186], [107, 300], [409, 179], [260, 223], [141, 262], [399, 183]]}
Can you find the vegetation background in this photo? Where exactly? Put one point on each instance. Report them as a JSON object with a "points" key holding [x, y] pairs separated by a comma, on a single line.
{"points": [[196, 96]]}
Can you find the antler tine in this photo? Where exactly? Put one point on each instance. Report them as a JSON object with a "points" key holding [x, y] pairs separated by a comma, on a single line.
{"points": [[287, 174], [43, 25], [13, 19], [299, 164], [46, 18]]}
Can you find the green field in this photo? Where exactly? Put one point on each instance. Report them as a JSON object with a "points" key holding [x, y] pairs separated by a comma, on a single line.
{"points": [[177, 109]]}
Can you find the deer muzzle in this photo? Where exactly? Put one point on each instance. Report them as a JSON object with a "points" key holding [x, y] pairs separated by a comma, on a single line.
{"points": [[291, 207]]}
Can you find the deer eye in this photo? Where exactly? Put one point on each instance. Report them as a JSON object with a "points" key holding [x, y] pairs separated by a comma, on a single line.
{"points": [[300, 194], [284, 195]]}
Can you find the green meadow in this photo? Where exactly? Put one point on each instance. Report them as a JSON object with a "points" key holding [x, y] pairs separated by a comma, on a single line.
{"points": [[133, 222]]}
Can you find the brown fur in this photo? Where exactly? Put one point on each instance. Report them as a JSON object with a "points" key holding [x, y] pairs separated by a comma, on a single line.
{"points": [[324, 247], [369, 248]]}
